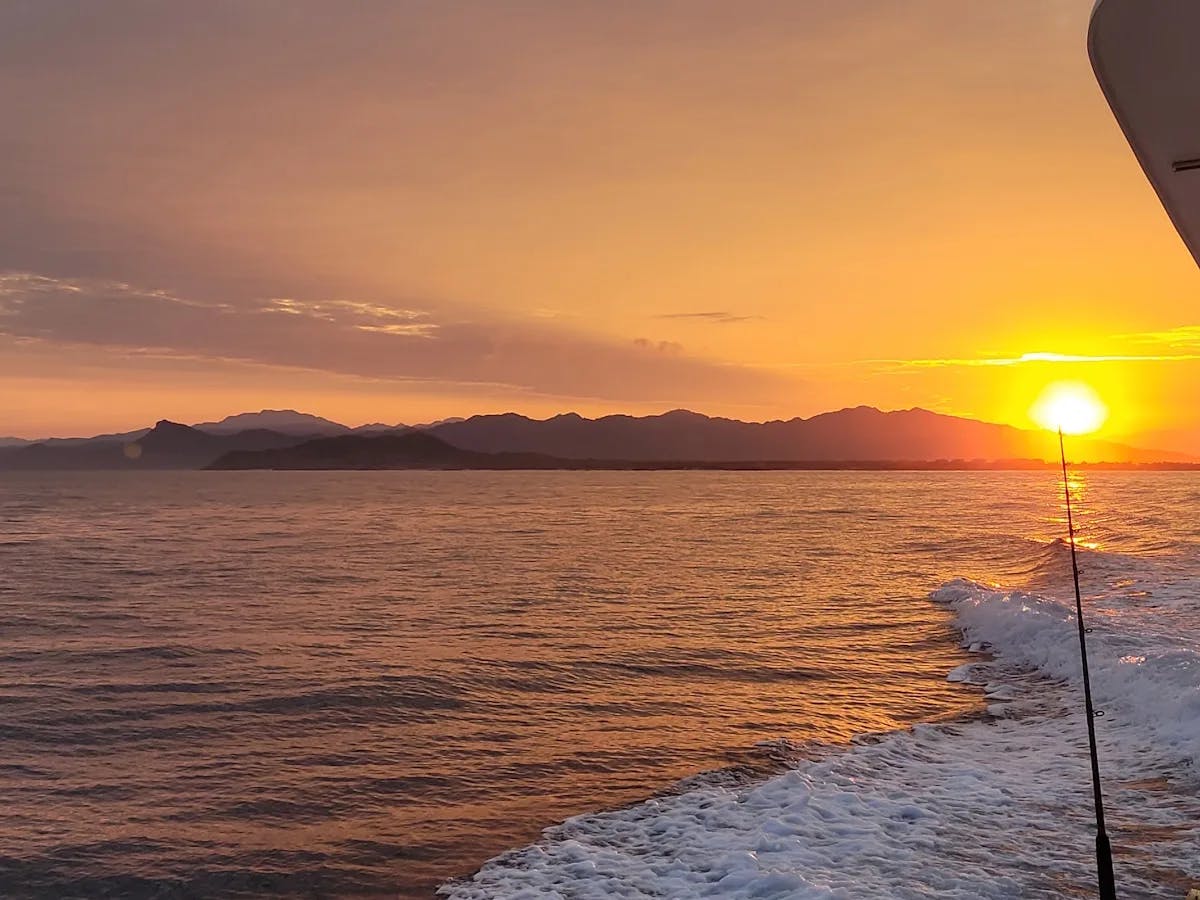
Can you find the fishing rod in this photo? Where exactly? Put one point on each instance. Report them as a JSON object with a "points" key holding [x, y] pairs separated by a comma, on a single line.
{"points": [[1104, 863]]}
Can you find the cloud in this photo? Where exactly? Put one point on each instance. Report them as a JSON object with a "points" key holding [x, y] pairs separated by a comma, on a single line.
{"points": [[658, 346], [368, 339], [1183, 336], [362, 316], [717, 317], [1183, 340], [1026, 358]]}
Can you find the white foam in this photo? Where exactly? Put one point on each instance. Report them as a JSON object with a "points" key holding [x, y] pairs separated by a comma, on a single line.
{"points": [[1145, 677], [998, 807]]}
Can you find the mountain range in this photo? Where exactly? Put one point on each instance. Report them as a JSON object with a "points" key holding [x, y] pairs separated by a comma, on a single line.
{"points": [[291, 439]]}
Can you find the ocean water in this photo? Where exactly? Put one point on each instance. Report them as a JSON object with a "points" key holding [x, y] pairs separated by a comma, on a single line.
{"points": [[702, 684]]}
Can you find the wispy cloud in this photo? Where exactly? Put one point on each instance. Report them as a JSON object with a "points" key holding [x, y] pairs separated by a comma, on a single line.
{"points": [[354, 314], [658, 346], [1183, 336], [717, 317], [1028, 358], [367, 339], [1182, 342]]}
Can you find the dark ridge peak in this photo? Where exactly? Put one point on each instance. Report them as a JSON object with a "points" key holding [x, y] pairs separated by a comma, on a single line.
{"points": [[860, 411], [912, 411], [674, 415], [915, 412], [261, 412], [288, 420], [679, 414], [168, 437], [920, 411], [568, 416]]}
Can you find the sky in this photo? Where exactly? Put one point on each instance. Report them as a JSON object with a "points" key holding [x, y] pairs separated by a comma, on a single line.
{"points": [[400, 211]]}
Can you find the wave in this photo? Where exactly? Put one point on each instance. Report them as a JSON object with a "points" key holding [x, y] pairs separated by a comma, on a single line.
{"points": [[1146, 681], [992, 806]]}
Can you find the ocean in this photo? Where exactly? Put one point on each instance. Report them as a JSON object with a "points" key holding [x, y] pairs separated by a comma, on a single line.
{"points": [[592, 685]]}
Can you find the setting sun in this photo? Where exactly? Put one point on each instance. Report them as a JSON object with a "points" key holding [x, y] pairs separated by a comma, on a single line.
{"points": [[1072, 406]]}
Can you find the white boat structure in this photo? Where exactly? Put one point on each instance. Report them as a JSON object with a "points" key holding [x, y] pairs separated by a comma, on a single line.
{"points": [[1146, 56]]}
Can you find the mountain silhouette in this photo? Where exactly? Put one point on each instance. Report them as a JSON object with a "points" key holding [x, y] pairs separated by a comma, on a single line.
{"points": [[168, 445], [862, 433], [282, 421], [679, 438]]}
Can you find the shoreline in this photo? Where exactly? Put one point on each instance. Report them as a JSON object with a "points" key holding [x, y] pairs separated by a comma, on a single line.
{"points": [[734, 466]]}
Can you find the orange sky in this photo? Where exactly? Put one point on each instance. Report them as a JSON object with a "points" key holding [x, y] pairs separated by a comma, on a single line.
{"points": [[401, 211]]}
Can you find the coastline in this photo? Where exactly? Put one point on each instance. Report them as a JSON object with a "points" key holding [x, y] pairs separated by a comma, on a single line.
{"points": [[589, 465]]}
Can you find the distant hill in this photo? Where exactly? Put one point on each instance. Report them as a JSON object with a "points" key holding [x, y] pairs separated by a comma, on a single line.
{"points": [[862, 433], [283, 421], [422, 450], [289, 421], [168, 445], [427, 425], [124, 436]]}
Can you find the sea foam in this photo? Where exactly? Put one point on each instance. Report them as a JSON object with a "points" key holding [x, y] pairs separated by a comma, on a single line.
{"points": [[997, 806], [1143, 662]]}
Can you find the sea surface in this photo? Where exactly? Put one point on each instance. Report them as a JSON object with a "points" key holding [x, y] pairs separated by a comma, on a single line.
{"points": [[734, 684]]}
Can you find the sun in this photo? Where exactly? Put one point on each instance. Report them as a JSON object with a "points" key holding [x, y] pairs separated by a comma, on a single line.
{"points": [[1072, 406]]}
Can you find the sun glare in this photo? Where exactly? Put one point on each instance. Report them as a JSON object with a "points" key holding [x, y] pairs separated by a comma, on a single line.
{"points": [[1071, 406]]}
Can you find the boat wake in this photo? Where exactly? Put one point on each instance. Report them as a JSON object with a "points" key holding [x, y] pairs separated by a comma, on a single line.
{"points": [[995, 805]]}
